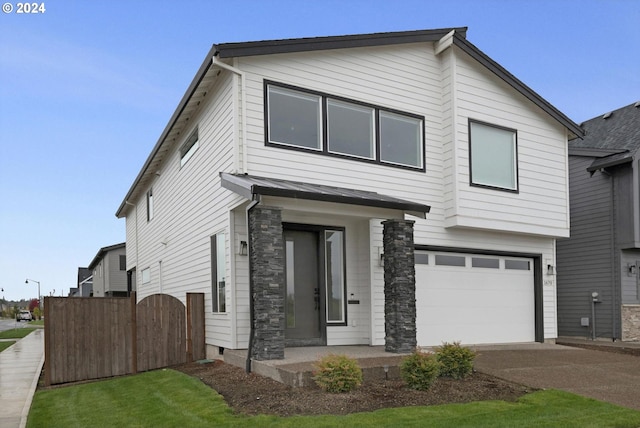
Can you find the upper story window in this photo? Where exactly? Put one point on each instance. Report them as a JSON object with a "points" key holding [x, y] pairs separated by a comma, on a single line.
{"points": [[331, 125], [150, 204], [494, 156], [189, 147]]}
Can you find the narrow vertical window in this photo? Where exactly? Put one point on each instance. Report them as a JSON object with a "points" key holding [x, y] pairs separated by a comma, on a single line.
{"points": [[189, 147], [291, 286], [218, 271], [150, 204], [334, 256], [123, 262]]}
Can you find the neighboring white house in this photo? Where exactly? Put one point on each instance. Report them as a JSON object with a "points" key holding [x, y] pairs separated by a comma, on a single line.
{"points": [[268, 189], [109, 276]]}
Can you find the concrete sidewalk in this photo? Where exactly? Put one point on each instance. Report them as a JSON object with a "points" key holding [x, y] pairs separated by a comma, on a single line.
{"points": [[20, 367], [605, 376]]}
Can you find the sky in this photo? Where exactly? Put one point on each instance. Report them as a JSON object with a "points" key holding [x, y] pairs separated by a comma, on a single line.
{"points": [[86, 88]]}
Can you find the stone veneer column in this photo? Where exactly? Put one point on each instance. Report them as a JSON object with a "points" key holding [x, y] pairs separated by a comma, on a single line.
{"points": [[399, 286], [267, 274]]}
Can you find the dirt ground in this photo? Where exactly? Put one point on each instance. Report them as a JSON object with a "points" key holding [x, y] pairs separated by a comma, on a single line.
{"points": [[253, 394]]}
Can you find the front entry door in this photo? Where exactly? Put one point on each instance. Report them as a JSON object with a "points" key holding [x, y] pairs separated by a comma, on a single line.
{"points": [[304, 302]]}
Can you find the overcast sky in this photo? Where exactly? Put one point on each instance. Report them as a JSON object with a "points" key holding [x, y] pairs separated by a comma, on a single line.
{"points": [[86, 88]]}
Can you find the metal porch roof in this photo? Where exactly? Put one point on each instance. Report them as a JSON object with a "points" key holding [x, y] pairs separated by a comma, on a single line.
{"points": [[248, 186]]}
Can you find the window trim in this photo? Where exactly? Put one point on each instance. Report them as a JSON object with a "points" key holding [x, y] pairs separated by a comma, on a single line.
{"points": [[189, 147], [150, 207], [145, 272], [515, 154], [324, 97], [216, 306]]}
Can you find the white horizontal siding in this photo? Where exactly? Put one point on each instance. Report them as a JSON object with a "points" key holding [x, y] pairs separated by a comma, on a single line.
{"points": [[190, 206], [541, 205]]}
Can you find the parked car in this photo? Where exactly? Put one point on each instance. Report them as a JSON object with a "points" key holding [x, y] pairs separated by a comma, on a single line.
{"points": [[24, 315]]}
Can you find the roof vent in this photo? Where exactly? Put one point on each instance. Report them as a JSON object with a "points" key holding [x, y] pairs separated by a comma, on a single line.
{"points": [[607, 115]]}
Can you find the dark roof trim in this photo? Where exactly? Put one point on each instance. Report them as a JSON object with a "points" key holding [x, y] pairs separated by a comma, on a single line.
{"points": [[593, 152], [267, 47], [518, 85], [248, 186], [609, 161], [176, 114], [102, 251]]}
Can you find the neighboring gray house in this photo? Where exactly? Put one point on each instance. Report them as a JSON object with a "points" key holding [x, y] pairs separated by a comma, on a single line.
{"points": [[109, 272], [85, 283], [603, 254], [393, 189]]}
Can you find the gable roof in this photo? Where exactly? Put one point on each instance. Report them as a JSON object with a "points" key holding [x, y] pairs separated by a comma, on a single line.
{"points": [[194, 93], [612, 138], [101, 253], [617, 130], [248, 186]]}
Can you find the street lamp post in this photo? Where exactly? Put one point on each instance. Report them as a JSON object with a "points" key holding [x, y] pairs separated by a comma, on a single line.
{"points": [[39, 298]]}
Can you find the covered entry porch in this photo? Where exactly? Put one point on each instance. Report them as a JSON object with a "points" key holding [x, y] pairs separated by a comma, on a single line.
{"points": [[342, 237]]}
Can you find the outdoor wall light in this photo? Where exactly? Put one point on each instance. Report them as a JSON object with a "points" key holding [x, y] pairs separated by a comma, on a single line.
{"points": [[244, 248], [551, 270], [631, 269]]}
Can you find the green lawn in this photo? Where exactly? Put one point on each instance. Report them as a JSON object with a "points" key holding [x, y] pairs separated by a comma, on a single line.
{"points": [[5, 345], [16, 333], [37, 323], [168, 398]]}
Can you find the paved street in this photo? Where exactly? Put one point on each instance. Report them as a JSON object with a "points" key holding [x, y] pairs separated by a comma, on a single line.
{"points": [[8, 324]]}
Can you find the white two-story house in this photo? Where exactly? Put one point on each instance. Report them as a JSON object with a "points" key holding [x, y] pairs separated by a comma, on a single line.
{"points": [[398, 189]]}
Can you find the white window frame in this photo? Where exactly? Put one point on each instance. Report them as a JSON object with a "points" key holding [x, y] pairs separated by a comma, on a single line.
{"points": [[145, 276]]}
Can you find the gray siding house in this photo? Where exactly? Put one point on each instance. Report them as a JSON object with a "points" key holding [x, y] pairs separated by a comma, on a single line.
{"points": [[603, 254], [109, 271]]}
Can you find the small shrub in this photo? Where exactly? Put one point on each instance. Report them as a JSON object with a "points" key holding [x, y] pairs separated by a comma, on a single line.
{"points": [[338, 373], [419, 370], [455, 361]]}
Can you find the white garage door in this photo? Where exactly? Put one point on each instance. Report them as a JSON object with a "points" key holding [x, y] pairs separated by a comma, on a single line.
{"points": [[474, 299]]}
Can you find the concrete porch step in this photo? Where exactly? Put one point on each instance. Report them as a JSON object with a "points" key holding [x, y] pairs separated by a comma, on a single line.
{"points": [[297, 368]]}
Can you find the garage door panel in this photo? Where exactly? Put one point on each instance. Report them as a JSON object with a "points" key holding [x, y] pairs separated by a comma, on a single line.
{"points": [[474, 305]]}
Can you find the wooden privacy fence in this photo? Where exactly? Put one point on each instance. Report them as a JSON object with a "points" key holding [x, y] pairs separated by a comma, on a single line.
{"points": [[93, 338]]}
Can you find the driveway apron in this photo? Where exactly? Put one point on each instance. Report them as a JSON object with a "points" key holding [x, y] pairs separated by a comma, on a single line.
{"points": [[605, 376]]}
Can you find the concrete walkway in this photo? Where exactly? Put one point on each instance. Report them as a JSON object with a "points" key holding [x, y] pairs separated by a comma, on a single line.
{"points": [[605, 376], [20, 367]]}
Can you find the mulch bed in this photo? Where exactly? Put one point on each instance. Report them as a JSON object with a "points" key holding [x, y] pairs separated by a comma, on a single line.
{"points": [[253, 394]]}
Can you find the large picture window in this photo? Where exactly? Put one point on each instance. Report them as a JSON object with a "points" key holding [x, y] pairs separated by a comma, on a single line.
{"points": [[218, 270], [350, 129], [294, 118], [494, 156], [331, 125]]}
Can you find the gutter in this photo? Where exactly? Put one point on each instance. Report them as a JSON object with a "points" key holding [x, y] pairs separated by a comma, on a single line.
{"points": [[252, 331], [215, 62]]}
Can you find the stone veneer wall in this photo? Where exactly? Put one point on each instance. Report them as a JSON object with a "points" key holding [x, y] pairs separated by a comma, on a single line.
{"points": [[630, 322], [267, 274], [399, 286]]}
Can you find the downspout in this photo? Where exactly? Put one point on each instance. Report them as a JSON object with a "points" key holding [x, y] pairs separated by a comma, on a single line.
{"points": [[614, 257], [255, 201], [136, 228], [215, 62]]}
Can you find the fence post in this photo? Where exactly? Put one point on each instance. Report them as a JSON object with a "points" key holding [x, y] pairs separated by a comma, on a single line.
{"points": [[134, 333], [47, 343]]}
